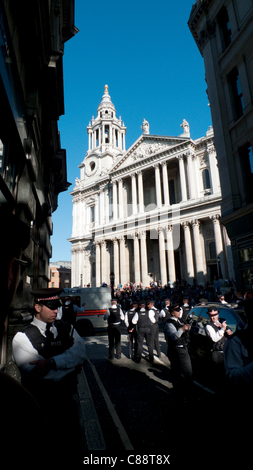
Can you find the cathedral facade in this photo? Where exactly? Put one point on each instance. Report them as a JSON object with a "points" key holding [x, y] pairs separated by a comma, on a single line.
{"points": [[149, 213]]}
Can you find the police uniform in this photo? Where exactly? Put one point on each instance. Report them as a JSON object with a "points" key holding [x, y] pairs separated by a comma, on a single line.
{"points": [[132, 333], [144, 319], [186, 310], [114, 316], [58, 351], [178, 354], [155, 330], [58, 343]]}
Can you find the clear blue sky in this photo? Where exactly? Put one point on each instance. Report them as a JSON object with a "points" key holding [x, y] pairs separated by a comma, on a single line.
{"points": [[144, 51]]}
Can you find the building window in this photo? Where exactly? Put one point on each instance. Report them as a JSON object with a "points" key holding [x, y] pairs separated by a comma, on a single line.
{"points": [[92, 214], [206, 179], [236, 93], [246, 159], [223, 22]]}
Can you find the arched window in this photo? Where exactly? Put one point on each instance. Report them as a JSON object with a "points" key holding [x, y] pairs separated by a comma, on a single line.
{"points": [[206, 179]]}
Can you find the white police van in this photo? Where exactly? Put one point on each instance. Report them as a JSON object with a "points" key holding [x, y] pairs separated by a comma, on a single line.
{"points": [[97, 300]]}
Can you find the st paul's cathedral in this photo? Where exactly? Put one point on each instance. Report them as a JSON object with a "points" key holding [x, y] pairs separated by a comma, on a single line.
{"points": [[149, 213]]}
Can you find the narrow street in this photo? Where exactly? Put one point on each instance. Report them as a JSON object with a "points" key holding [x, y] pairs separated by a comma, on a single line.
{"points": [[130, 409]]}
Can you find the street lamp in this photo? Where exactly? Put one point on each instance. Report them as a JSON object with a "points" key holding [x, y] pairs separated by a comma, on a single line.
{"points": [[112, 277]]}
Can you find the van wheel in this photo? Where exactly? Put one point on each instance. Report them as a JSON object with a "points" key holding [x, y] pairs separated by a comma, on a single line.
{"points": [[84, 328]]}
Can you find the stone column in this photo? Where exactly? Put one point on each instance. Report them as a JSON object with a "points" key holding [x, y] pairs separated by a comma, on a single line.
{"points": [[98, 265], [198, 253], [134, 194], [104, 267], [101, 206], [116, 261], [123, 279], [144, 259], [121, 206], [188, 252], [86, 268], [218, 242], [166, 193], [170, 255], [158, 185], [137, 270], [114, 200], [140, 192], [182, 178], [191, 179], [162, 256]]}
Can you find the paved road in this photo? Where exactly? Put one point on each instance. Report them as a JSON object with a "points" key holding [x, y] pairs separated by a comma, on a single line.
{"points": [[129, 407]]}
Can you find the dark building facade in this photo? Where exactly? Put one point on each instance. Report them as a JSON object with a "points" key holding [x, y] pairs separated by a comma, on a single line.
{"points": [[32, 162], [223, 32]]}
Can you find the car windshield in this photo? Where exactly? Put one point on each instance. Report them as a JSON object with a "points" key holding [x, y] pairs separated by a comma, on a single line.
{"points": [[224, 315]]}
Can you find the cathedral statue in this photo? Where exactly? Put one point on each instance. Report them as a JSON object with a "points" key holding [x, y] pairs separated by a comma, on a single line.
{"points": [[186, 128], [145, 127]]}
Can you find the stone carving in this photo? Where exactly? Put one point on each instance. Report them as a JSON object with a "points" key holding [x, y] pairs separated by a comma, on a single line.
{"points": [[145, 127], [186, 128]]}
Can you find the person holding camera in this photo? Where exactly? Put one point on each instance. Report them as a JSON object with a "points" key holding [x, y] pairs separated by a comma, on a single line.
{"points": [[177, 334], [217, 332]]}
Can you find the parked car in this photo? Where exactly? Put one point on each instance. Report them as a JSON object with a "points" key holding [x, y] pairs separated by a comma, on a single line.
{"points": [[200, 344]]}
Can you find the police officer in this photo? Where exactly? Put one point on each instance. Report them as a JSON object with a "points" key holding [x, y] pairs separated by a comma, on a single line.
{"points": [[217, 332], [114, 316], [185, 309], [144, 320], [155, 327], [68, 312], [178, 339], [48, 353], [165, 312], [132, 333]]}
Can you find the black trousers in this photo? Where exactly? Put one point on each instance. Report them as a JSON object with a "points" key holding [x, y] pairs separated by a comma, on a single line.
{"points": [[155, 329], [114, 337], [132, 343], [147, 334], [180, 366]]}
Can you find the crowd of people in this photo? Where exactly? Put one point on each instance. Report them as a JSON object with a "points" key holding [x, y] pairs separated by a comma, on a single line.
{"points": [[155, 291], [140, 310]]}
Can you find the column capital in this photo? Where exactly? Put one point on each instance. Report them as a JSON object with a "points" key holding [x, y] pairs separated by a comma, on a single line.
{"points": [[142, 234], [215, 218], [169, 228], [186, 224], [195, 223], [162, 229]]}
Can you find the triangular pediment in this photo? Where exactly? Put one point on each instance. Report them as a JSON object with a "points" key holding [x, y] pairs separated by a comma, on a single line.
{"points": [[145, 147]]}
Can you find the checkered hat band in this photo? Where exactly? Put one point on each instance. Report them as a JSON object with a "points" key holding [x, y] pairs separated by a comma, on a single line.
{"points": [[49, 298]]}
